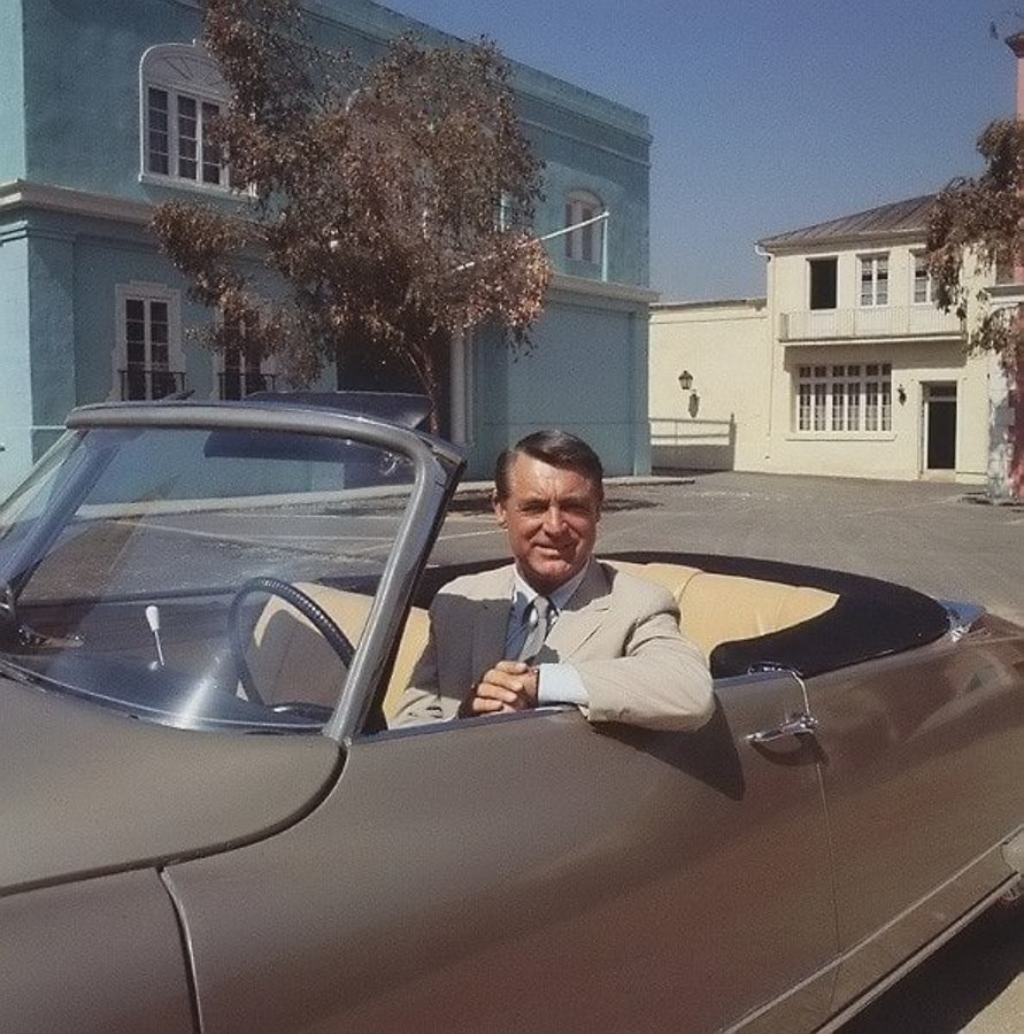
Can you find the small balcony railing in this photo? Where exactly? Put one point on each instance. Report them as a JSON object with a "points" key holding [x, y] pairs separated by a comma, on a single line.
{"points": [[146, 382], [876, 322], [235, 384]]}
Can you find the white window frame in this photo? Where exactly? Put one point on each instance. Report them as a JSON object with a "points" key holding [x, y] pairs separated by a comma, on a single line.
{"points": [[584, 244], [834, 398], [147, 293], [923, 288], [186, 75], [874, 279]]}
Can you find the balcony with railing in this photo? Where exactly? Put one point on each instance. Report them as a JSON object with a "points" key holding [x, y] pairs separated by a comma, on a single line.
{"points": [[236, 384], [880, 322], [148, 382]]}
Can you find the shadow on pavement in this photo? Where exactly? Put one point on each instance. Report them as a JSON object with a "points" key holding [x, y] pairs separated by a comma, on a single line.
{"points": [[955, 985]]}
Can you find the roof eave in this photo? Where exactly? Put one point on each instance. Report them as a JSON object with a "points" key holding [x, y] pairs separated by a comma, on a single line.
{"points": [[777, 246]]}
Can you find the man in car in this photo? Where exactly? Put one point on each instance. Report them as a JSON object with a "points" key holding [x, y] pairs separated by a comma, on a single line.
{"points": [[556, 626]]}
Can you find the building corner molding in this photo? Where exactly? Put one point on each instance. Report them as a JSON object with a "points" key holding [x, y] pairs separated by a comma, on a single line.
{"points": [[17, 196]]}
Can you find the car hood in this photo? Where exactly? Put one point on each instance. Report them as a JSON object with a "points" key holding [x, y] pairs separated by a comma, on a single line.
{"points": [[87, 790]]}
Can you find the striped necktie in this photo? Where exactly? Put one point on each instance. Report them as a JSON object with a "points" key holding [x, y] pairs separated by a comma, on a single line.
{"points": [[538, 617]]}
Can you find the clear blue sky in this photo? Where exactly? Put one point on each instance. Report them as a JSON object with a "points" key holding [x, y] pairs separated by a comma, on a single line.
{"points": [[767, 115]]}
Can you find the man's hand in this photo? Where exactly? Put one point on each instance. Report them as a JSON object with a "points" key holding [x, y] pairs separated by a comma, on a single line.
{"points": [[508, 686]]}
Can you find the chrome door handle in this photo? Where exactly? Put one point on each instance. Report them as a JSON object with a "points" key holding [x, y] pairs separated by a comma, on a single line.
{"points": [[795, 725]]}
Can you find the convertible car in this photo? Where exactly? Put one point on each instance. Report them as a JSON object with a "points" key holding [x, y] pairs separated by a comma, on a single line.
{"points": [[207, 613]]}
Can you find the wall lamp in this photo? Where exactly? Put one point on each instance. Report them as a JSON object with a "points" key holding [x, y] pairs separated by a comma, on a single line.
{"points": [[901, 394], [686, 380]]}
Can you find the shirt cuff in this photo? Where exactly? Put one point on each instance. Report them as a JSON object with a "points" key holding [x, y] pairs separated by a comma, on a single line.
{"points": [[560, 684]]}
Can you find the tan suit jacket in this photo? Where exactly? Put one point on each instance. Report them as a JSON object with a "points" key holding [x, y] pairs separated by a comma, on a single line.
{"points": [[620, 632]]}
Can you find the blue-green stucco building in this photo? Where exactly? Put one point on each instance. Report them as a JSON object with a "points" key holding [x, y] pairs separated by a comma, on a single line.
{"points": [[101, 108]]}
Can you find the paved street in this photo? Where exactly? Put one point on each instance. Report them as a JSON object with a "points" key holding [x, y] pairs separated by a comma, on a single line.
{"points": [[939, 538]]}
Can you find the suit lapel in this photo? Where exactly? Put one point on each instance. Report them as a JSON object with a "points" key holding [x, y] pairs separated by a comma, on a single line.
{"points": [[491, 626], [582, 615]]}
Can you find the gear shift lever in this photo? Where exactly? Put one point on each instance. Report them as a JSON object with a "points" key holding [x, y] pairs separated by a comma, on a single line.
{"points": [[153, 620]]}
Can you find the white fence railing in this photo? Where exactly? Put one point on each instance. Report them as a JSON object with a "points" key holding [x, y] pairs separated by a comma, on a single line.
{"points": [[693, 444]]}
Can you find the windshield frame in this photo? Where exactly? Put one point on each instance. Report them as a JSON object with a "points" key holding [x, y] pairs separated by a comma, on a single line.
{"points": [[436, 467]]}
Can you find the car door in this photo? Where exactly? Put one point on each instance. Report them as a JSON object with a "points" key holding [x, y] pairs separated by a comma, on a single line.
{"points": [[533, 872], [923, 766]]}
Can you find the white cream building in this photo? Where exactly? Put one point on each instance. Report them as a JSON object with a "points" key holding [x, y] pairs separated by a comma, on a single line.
{"points": [[846, 367]]}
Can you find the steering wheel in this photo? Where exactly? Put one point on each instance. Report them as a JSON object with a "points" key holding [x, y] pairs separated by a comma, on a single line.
{"points": [[305, 605]]}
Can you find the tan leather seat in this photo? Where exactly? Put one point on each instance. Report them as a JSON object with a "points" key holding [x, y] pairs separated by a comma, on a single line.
{"points": [[414, 639], [720, 608], [290, 660]]}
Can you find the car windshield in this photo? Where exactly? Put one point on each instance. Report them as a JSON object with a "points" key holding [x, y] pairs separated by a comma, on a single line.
{"points": [[203, 577]]}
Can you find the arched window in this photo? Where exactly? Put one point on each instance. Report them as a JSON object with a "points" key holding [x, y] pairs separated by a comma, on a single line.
{"points": [[180, 93], [583, 244]]}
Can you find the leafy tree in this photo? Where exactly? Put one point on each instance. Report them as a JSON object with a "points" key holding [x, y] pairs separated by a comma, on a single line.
{"points": [[392, 202], [976, 223], [977, 226]]}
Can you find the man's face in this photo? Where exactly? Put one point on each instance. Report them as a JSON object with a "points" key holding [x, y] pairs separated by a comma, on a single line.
{"points": [[551, 516]]}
